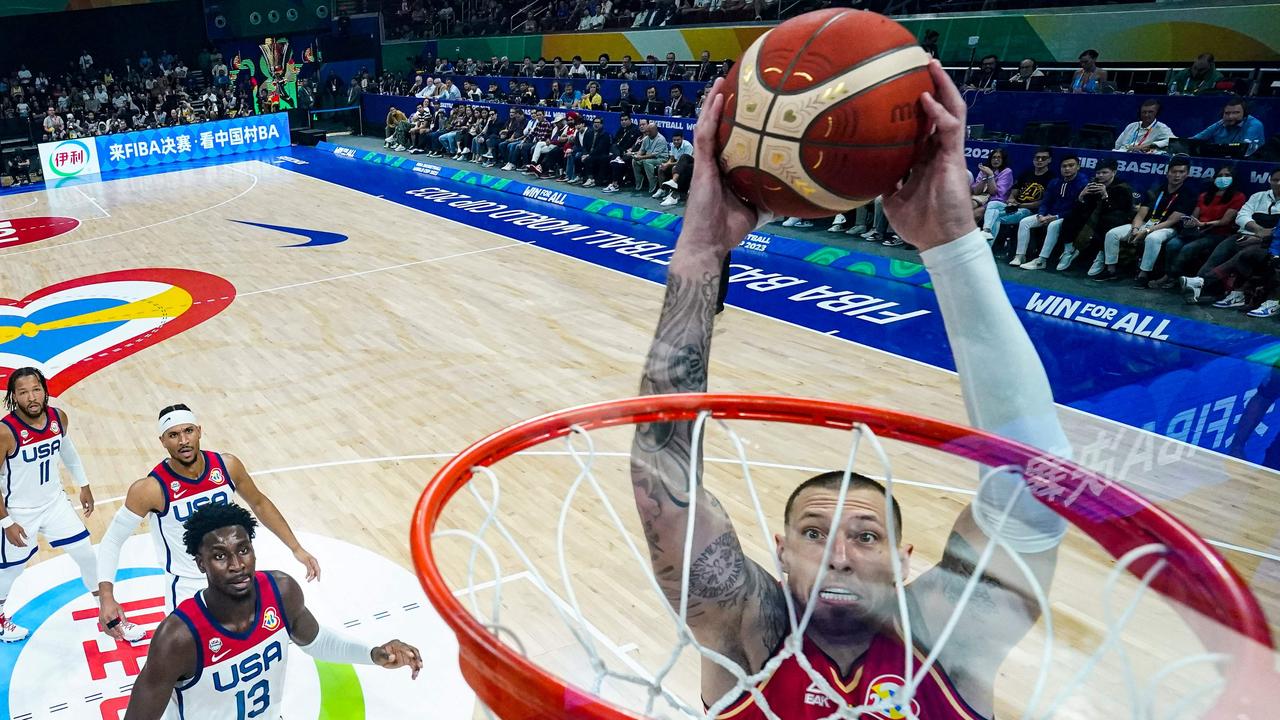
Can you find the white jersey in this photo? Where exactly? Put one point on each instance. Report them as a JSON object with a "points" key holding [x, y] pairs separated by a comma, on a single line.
{"points": [[181, 498], [238, 675], [30, 479]]}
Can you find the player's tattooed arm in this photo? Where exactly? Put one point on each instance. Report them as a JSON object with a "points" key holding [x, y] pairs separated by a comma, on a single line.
{"points": [[727, 591], [171, 659]]}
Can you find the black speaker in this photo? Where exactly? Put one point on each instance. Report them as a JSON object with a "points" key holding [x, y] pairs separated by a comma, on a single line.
{"points": [[306, 137]]}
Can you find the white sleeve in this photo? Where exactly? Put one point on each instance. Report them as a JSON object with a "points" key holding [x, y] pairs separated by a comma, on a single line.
{"points": [[71, 458], [1003, 382], [122, 526], [332, 646]]}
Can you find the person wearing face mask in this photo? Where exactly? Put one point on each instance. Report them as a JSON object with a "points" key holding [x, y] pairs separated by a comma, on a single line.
{"points": [[1146, 134], [1243, 256], [1209, 225]]}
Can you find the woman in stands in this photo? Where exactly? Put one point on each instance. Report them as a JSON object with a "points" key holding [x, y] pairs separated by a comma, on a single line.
{"points": [[991, 187], [1211, 224], [1087, 78]]}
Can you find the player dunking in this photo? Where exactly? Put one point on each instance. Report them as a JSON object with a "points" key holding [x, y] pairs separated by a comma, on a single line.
{"points": [[854, 639], [222, 653], [186, 480], [33, 437]]}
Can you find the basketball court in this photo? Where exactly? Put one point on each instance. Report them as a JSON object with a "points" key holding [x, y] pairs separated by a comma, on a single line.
{"points": [[345, 329]]}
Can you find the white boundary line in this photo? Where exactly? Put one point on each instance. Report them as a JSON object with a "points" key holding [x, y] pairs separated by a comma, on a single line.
{"points": [[85, 195], [34, 200], [235, 197]]}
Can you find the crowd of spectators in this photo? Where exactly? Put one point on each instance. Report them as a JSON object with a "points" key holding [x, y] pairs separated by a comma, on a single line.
{"points": [[87, 99], [419, 19]]}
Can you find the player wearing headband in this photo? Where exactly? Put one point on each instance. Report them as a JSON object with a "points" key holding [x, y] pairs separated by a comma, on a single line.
{"points": [[186, 480], [222, 654], [33, 502]]}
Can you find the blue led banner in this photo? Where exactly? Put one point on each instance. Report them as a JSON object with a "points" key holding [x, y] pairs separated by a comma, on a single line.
{"points": [[185, 143]]}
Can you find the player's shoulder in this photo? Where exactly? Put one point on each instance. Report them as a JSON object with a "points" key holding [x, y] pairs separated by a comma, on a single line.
{"points": [[146, 488], [289, 589], [174, 635]]}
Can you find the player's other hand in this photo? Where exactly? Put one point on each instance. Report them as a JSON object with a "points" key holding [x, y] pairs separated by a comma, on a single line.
{"points": [[397, 654], [86, 500], [715, 220], [108, 611], [15, 535], [308, 561], [932, 207]]}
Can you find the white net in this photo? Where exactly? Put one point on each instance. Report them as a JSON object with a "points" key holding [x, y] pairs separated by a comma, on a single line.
{"points": [[1105, 668]]}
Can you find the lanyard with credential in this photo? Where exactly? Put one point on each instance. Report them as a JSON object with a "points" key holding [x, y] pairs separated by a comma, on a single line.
{"points": [[1172, 199]]}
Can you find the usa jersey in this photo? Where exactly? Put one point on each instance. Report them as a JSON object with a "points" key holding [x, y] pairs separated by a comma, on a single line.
{"points": [[877, 675], [30, 478], [238, 675], [181, 498]]}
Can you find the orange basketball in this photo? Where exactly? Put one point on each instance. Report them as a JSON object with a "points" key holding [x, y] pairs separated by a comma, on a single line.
{"points": [[822, 113]]}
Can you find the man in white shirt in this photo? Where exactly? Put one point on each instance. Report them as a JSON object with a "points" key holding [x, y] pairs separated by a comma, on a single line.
{"points": [[1259, 214], [578, 70], [1146, 134], [53, 125]]}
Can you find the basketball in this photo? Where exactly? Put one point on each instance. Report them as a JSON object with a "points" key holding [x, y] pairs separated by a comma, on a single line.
{"points": [[823, 113]]}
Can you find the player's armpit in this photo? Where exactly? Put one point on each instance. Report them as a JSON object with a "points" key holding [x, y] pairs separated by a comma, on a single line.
{"points": [[303, 626]]}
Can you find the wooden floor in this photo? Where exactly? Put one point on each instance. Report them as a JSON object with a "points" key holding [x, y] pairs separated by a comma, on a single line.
{"points": [[419, 335]]}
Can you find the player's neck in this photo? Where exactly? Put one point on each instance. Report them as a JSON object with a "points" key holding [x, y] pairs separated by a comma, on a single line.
{"points": [[845, 647], [236, 614]]}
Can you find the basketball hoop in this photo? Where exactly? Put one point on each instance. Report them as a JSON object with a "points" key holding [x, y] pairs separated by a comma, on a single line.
{"points": [[1149, 543]]}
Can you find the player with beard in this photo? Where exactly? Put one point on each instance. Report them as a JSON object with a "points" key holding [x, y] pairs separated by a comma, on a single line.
{"points": [[33, 501], [222, 653], [186, 480], [855, 639]]}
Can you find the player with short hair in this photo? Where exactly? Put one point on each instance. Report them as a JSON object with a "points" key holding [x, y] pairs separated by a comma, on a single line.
{"points": [[222, 653], [854, 638], [33, 501], [178, 485]]}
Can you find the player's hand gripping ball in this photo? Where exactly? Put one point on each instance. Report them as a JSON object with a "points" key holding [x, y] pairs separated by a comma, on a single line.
{"points": [[822, 113]]}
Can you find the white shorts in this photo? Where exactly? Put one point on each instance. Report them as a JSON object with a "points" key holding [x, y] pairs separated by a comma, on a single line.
{"points": [[57, 522], [178, 588]]}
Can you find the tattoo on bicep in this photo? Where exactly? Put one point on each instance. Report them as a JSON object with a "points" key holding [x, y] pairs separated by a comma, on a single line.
{"points": [[718, 570], [959, 561]]}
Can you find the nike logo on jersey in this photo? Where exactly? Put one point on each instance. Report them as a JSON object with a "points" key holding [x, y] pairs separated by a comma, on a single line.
{"points": [[218, 657], [179, 495]]}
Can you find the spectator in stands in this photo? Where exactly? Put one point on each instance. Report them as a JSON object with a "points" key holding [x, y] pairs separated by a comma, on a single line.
{"points": [[1237, 127], [397, 130], [419, 85], [1202, 77], [450, 91], [679, 105], [1244, 256], [553, 94], [537, 131], [988, 75], [54, 127], [929, 42], [602, 71], [577, 69], [626, 103], [569, 97], [593, 153], [420, 125], [527, 68], [20, 169], [354, 92], [991, 187], [1059, 199], [503, 67], [1158, 219], [653, 105], [671, 70], [1029, 77], [86, 62], [592, 99], [1104, 203], [652, 152], [558, 68], [512, 132], [706, 70], [540, 69], [1208, 226], [1087, 78], [627, 70], [1146, 134], [1026, 194], [677, 166], [626, 140]]}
